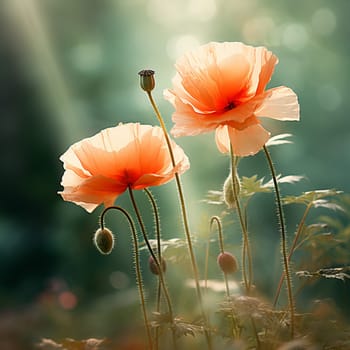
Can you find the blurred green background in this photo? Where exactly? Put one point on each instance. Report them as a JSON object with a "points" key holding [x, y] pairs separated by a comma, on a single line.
{"points": [[69, 69]]}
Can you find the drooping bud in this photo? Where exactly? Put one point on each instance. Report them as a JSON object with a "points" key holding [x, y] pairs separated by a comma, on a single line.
{"points": [[227, 262], [104, 240], [228, 191], [153, 266], [147, 81]]}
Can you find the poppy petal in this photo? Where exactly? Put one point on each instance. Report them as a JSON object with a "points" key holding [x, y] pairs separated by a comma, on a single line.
{"points": [[244, 142], [281, 103], [91, 192]]}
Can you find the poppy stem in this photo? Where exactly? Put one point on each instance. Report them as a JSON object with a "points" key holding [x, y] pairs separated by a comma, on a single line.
{"points": [[292, 249], [235, 329], [137, 267], [159, 254], [219, 225], [221, 243], [159, 267], [185, 223], [246, 250], [284, 249]]}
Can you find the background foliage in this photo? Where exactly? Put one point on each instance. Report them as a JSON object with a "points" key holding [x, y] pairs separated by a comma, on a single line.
{"points": [[69, 69]]}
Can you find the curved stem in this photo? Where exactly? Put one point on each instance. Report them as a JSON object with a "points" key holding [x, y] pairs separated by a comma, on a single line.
{"points": [[283, 242], [185, 222], [157, 229], [156, 220], [292, 249], [159, 267], [246, 244], [235, 330], [221, 239], [159, 253], [221, 243], [137, 267]]}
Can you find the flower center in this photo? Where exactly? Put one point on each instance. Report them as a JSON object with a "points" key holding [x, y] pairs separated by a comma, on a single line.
{"points": [[130, 177], [230, 106]]}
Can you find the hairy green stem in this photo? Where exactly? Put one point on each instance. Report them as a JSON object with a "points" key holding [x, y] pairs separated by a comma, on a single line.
{"points": [[246, 244], [158, 238], [185, 223], [292, 249], [159, 253], [221, 244], [235, 329], [158, 264], [137, 267], [283, 242]]}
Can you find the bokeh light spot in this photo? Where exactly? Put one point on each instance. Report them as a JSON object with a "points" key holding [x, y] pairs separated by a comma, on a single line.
{"points": [[295, 37], [202, 10], [258, 29], [67, 300], [119, 280], [324, 21], [169, 12], [178, 45]]}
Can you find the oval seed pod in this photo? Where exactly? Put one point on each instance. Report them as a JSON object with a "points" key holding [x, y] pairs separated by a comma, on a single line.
{"points": [[153, 266], [229, 194], [227, 262], [104, 240], [147, 81]]}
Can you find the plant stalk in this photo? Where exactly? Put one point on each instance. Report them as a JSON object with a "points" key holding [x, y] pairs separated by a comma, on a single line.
{"points": [[137, 268], [292, 249], [159, 267], [185, 223], [283, 242], [246, 244]]}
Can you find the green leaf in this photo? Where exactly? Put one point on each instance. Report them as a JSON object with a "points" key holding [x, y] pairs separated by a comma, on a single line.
{"points": [[252, 185], [291, 179], [311, 197], [278, 140], [340, 273], [174, 249], [322, 203], [72, 344], [214, 197], [314, 229]]}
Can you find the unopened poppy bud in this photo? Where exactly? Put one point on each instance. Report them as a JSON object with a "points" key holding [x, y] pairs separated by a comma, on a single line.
{"points": [[153, 265], [227, 262], [229, 193], [104, 240], [147, 81]]}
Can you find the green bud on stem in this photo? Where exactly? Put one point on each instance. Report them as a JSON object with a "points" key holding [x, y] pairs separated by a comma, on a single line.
{"points": [[229, 194], [104, 240]]}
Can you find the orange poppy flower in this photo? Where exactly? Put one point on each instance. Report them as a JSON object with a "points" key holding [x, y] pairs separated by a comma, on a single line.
{"points": [[221, 86], [100, 168]]}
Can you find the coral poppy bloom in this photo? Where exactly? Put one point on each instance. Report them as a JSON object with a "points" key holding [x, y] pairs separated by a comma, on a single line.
{"points": [[221, 86], [100, 168]]}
